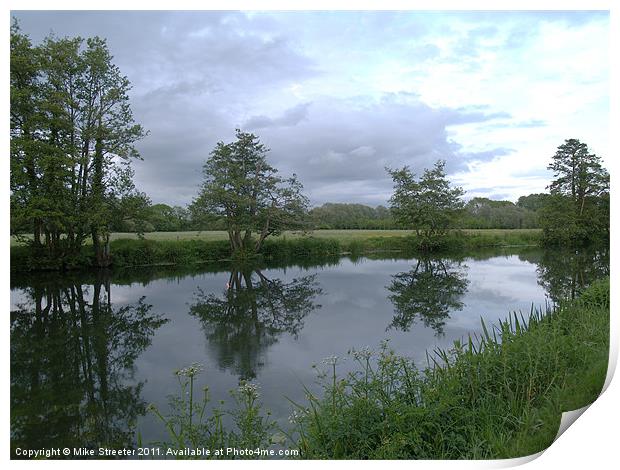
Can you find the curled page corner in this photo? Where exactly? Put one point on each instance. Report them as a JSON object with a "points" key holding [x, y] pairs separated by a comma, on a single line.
{"points": [[568, 418], [517, 461]]}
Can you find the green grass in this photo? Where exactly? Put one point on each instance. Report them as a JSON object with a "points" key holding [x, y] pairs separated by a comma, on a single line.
{"points": [[187, 248], [335, 234]]}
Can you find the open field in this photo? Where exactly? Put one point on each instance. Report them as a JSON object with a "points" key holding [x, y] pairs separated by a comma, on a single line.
{"points": [[341, 235], [185, 248]]}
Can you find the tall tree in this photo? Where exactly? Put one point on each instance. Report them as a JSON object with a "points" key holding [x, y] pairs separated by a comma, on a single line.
{"points": [[578, 210], [242, 188], [428, 204], [578, 173], [72, 138], [109, 133]]}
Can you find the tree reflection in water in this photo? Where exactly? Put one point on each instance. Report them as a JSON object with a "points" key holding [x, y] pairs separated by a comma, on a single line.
{"points": [[242, 322], [565, 273], [72, 359], [429, 292]]}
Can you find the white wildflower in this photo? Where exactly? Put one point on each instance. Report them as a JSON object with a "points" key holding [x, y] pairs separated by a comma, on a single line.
{"points": [[191, 371], [331, 360], [249, 389]]}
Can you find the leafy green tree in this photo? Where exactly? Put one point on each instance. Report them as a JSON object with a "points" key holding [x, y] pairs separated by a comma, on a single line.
{"points": [[481, 212], [108, 135], [243, 189], [132, 213], [165, 218], [428, 204], [26, 142], [350, 216], [533, 202], [578, 208], [72, 139]]}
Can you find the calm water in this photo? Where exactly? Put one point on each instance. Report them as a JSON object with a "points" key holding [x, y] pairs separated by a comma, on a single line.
{"points": [[89, 352]]}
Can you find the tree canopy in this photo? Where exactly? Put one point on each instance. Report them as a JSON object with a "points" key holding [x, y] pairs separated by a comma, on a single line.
{"points": [[481, 212], [350, 216]]}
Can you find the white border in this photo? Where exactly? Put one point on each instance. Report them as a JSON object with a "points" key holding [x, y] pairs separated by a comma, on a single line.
{"points": [[590, 442]]}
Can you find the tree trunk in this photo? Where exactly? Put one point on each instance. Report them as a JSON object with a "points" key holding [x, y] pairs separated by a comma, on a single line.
{"points": [[37, 232], [99, 228]]}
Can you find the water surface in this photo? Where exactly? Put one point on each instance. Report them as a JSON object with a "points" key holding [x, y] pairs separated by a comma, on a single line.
{"points": [[89, 351]]}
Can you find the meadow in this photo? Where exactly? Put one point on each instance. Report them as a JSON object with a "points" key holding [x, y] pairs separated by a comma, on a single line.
{"points": [[187, 248], [341, 235]]}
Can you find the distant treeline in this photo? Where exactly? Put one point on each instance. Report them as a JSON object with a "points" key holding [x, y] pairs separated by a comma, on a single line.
{"points": [[479, 212]]}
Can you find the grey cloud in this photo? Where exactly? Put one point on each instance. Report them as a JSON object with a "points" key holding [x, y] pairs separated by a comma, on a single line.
{"points": [[341, 150], [290, 117], [229, 49], [464, 116], [198, 75], [193, 74]]}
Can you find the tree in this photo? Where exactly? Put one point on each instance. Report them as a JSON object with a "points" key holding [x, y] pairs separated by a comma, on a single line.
{"points": [[429, 205], [482, 212], [132, 213], [350, 216], [72, 138], [533, 202], [578, 208], [243, 189], [26, 142]]}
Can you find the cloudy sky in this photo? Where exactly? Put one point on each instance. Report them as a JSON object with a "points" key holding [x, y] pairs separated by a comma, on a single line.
{"points": [[338, 96]]}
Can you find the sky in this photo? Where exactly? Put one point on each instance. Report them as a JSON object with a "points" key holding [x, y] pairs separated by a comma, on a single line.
{"points": [[338, 96]]}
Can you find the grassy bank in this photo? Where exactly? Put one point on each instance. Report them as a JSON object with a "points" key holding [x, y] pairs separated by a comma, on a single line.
{"points": [[184, 248], [341, 235], [498, 396]]}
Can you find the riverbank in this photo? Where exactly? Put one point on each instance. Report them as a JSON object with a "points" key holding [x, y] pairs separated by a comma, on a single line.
{"points": [[174, 249], [497, 396]]}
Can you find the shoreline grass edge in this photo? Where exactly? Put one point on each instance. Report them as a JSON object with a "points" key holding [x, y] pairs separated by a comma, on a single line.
{"points": [[151, 252]]}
